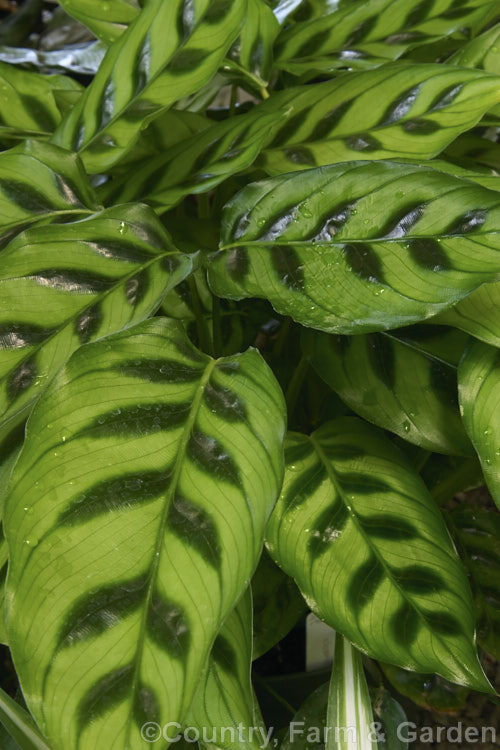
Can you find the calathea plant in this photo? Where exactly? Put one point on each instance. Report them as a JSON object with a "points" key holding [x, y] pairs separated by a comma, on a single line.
{"points": [[184, 278]]}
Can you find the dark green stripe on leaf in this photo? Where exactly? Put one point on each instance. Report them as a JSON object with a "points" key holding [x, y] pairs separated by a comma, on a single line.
{"points": [[88, 322], [21, 378], [160, 371], [224, 402], [139, 420], [105, 695], [168, 627], [194, 527], [385, 526], [288, 267], [237, 264], [224, 655], [304, 486], [137, 287], [364, 262], [404, 624], [210, 456], [418, 580], [187, 60], [146, 706], [428, 253], [381, 356], [20, 335], [25, 196], [328, 527], [364, 583]]}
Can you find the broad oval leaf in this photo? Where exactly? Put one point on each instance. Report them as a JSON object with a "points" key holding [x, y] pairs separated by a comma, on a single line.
{"points": [[404, 110], [478, 391], [90, 278], [403, 380], [477, 533], [145, 71], [29, 105], [41, 182], [357, 529], [477, 314], [149, 472], [197, 164], [106, 20], [358, 247], [385, 28]]}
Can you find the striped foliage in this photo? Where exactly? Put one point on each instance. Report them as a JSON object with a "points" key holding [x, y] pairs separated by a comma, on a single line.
{"points": [[108, 20], [379, 28], [403, 380], [20, 726], [196, 164], [155, 468], [483, 52], [253, 50], [145, 71], [477, 314], [357, 529], [349, 715], [358, 247], [479, 396], [90, 278], [474, 152], [225, 698], [41, 182], [28, 102], [477, 533], [404, 110]]}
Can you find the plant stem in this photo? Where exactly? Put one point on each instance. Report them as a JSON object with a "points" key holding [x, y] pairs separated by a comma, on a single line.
{"points": [[233, 101], [216, 332], [205, 340], [295, 384], [264, 93]]}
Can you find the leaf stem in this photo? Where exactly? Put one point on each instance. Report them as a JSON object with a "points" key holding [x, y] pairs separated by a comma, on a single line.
{"points": [[216, 331], [264, 93], [205, 340], [295, 384]]}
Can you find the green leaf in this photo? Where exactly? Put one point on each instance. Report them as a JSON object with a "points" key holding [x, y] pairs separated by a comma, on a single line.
{"points": [[253, 50], [358, 247], [40, 182], [84, 59], [32, 111], [4, 556], [90, 278], [277, 605], [357, 529], [20, 725], [155, 468], [477, 533], [349, 716], [223, 708], [478, 387], [403, 380], [107, 20], [385, 28], [483, 52], [402, 110], [477, 314], [145, 71], [392, 718], [427, 690], [197, 164], [306, 731], [474, 152], [445, 476]]}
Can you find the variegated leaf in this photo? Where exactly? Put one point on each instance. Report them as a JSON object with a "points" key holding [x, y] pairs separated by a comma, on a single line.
{"points": [[483, 52], [357, 529], [358, 247], [40, 182], [403, 110], [155, 468], [403, 380], [477, 314], [146, 71], [479, 395], [90, 278], [29, 106], [477, 533], [196, 164], [379, 28]]}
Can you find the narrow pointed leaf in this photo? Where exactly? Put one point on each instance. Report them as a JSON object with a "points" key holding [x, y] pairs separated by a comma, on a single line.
{"points": [[403, 380], [90, 278], [32, 110], [477, 314], [385, 28], [349, 715], [479, 396], [253, 50], [477, 533], [197, 164], [358, 247], [404, 110], [357, 529], [41, 182], [106, 20], [483, 52], [146, 71], [156, 468], [223, 707], [20, 725]]}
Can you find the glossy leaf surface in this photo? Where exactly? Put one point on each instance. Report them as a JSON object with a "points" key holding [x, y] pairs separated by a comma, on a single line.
{"points": [[106, 20], [20, 725], [253, 50], [477, 314], [358, 247], [403, 380], [159, 467], [477, 533], [411, 111], [91, 278], [145, 71], [357, 529], [479, 395]]}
